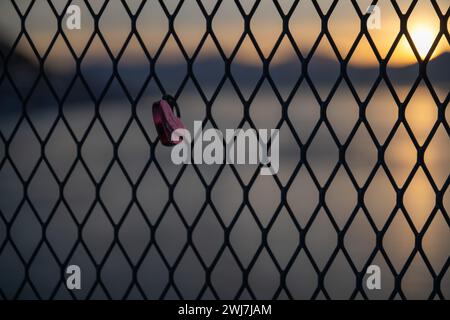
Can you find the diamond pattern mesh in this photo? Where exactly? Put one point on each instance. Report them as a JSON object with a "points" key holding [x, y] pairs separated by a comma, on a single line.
{"points": [[129, 225]]}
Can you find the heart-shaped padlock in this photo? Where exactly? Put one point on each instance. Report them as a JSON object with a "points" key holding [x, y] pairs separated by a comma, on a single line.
{"points": [[166, 121]]}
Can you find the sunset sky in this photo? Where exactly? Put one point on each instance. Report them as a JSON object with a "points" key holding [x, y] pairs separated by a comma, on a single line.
{"points": [[266, 25]]}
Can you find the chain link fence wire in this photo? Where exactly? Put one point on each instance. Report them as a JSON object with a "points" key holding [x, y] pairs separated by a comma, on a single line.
{"points": [[98, 209]]}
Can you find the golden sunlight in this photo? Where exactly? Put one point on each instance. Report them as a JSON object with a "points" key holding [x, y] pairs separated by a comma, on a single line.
{"points": [[423, 37]]}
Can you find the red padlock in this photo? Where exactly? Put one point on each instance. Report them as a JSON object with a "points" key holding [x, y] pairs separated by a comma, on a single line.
{"points": [[166, 121]]}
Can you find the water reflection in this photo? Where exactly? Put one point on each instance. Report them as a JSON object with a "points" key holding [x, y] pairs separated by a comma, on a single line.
{"points": [[245, 237]]}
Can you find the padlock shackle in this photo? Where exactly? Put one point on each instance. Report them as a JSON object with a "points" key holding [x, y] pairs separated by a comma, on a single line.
{"points": [[173, 104]]}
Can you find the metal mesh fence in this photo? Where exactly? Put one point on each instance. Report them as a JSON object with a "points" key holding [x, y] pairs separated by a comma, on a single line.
{"points": [[35, 247]]}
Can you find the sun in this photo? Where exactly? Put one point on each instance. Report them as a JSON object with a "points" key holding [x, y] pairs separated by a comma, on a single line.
{"points": [[423, 38]]}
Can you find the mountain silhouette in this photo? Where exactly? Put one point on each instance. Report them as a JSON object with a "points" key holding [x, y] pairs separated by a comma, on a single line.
{"points": [[208, 72]]}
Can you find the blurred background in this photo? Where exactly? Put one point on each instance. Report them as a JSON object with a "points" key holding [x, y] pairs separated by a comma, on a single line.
{"points": [[84, 181]]}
